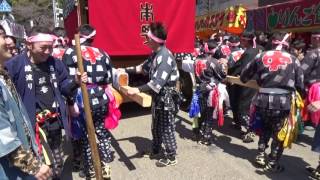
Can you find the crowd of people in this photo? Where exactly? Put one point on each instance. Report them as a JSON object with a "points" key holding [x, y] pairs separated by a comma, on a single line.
{"points": [[285, 98], [40, 97]]}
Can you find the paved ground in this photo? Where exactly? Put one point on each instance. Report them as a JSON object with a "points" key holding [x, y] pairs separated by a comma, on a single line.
{"points": [[228, 159]]}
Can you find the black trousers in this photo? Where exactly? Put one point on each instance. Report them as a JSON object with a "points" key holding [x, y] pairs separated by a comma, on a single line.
{"points": [[54, 138], [272, 122], [206, 120], [241, 98], [207, 124], [163, 129], [104, 140]]}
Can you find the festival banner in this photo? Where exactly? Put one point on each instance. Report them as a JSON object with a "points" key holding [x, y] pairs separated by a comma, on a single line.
{"points": [[71, 24], [211, 21], [300, 15], [122, 25], [260, 22]]}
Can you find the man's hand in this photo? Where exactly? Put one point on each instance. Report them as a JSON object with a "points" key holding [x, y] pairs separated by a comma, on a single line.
{"points": [[83, 77], [74, 110], [133, 91], [314, 106], [44, 173]]}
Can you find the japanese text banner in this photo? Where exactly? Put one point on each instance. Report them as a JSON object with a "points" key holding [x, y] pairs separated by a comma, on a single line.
{"points": [[122, 24]]}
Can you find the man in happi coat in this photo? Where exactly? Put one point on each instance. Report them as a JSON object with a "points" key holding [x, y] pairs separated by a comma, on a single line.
{"points": [[209, 73], [61, 42], [60, 45], [163, 73], [223, 50], [43, 84], [98, 67], [279, 75], [228, 61], [311, 69], [19, 156], [243, 95]]}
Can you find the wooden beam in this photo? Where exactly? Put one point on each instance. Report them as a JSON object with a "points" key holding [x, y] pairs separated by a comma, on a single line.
{"points": [[141, 98], [236, 80], [89, 122]]}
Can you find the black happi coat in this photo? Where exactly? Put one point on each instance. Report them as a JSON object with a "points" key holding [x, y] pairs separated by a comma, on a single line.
{"points": [[98, 67], [311, 66], [162, 69], [223, 51], [243, 95], [208, 71], [275, 69]]}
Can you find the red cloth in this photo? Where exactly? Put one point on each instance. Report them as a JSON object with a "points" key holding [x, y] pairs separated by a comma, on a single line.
{"points": [[313, 95], [200, 66], [111, 121], [118, 25], [217, 106], [71, 24]]}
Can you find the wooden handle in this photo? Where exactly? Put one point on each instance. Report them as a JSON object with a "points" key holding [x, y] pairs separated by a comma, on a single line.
{"points": [[141, 98], [236, 80], [87, 110]]}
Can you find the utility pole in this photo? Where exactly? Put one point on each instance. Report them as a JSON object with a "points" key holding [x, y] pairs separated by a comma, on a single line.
{"points": [[54, 12]]}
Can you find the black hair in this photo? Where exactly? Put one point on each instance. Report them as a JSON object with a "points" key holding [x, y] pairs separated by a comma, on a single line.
{"points": [[59, 32], [12, 38], [39, 29], [158, 30], [247, 34], [261, 38], [86, 30], [278, 36], [234, 39], [197, 44], [212, 44], [298, 44]]}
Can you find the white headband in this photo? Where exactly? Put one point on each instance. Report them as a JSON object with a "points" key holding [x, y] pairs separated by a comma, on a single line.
{"points": [[156, 39], [42, 37], [281, 43], [83, 38]]}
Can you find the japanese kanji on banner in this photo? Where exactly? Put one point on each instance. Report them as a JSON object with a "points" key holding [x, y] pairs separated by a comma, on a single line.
{"points": [[122, 24]]}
